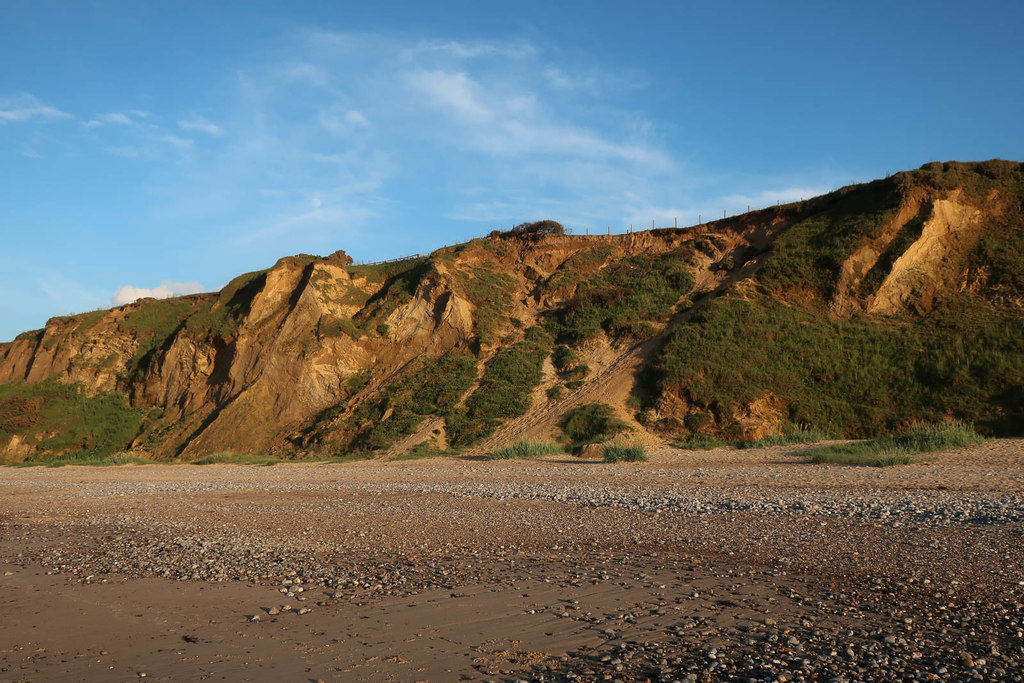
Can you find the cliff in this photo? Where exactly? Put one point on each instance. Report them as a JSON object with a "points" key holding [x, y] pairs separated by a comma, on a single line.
{"points": [[858, 311]]}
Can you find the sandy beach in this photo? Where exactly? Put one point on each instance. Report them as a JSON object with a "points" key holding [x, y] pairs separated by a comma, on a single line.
{"points": [[718, 565]]}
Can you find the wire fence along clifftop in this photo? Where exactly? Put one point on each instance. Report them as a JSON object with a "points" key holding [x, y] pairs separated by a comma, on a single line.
{"points": [[588, 231], [570, 230], [411, 257]]}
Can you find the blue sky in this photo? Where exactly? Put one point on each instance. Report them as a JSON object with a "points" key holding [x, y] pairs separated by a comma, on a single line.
{"points": [[165, 147]]}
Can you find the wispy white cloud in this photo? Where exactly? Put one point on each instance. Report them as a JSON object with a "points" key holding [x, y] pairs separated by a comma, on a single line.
{"points": [[474, 49], [516, 137], [454, 92], [137, 134], [559, 79], [317, 215], [66, 294], [124, 151], [356, 118], [341, 121], [183, 144], [201, 125], [521, 128], [591, 81], [521, 125], [24, 107], [151, 147], [518, 134], [116, 118], [166, 289], [307, 73]]}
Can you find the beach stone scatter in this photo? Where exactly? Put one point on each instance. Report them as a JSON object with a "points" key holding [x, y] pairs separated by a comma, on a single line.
{"points": [[863, 583]]}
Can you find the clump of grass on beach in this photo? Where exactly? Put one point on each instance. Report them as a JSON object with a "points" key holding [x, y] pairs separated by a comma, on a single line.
{"points": [[87, 459], [700, 442], [900, 449], [237, 459], [704, 442], [615, 452], [336, 459], [795, 435], [525, 449]]}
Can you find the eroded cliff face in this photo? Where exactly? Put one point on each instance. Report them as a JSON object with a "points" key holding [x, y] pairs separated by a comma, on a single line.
{"points": [[91, 349], [893, 302], [935, 263], [945, 227], [249, 368], [307, 356]]}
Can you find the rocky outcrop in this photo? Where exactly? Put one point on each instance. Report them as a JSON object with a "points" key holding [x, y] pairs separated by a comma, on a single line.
{"points": [[246, 369], [934, 263], [284, 360]]}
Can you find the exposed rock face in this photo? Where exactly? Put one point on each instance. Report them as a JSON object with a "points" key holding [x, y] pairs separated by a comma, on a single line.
{"points": [[284, 359], [64, 347], [845, 301], [884, 304], [243, 369], [934, 264]]}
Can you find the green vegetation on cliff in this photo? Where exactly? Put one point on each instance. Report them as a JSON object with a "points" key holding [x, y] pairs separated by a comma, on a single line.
{"points": [[505, 389], [62, 420], [153, 322], [400, 279], [999, 254], [592, 423], [809, 254], [856, 377], [491, 294], [627, 296], [856, 313], [430, 388], [777, 351], [221, 318]]}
